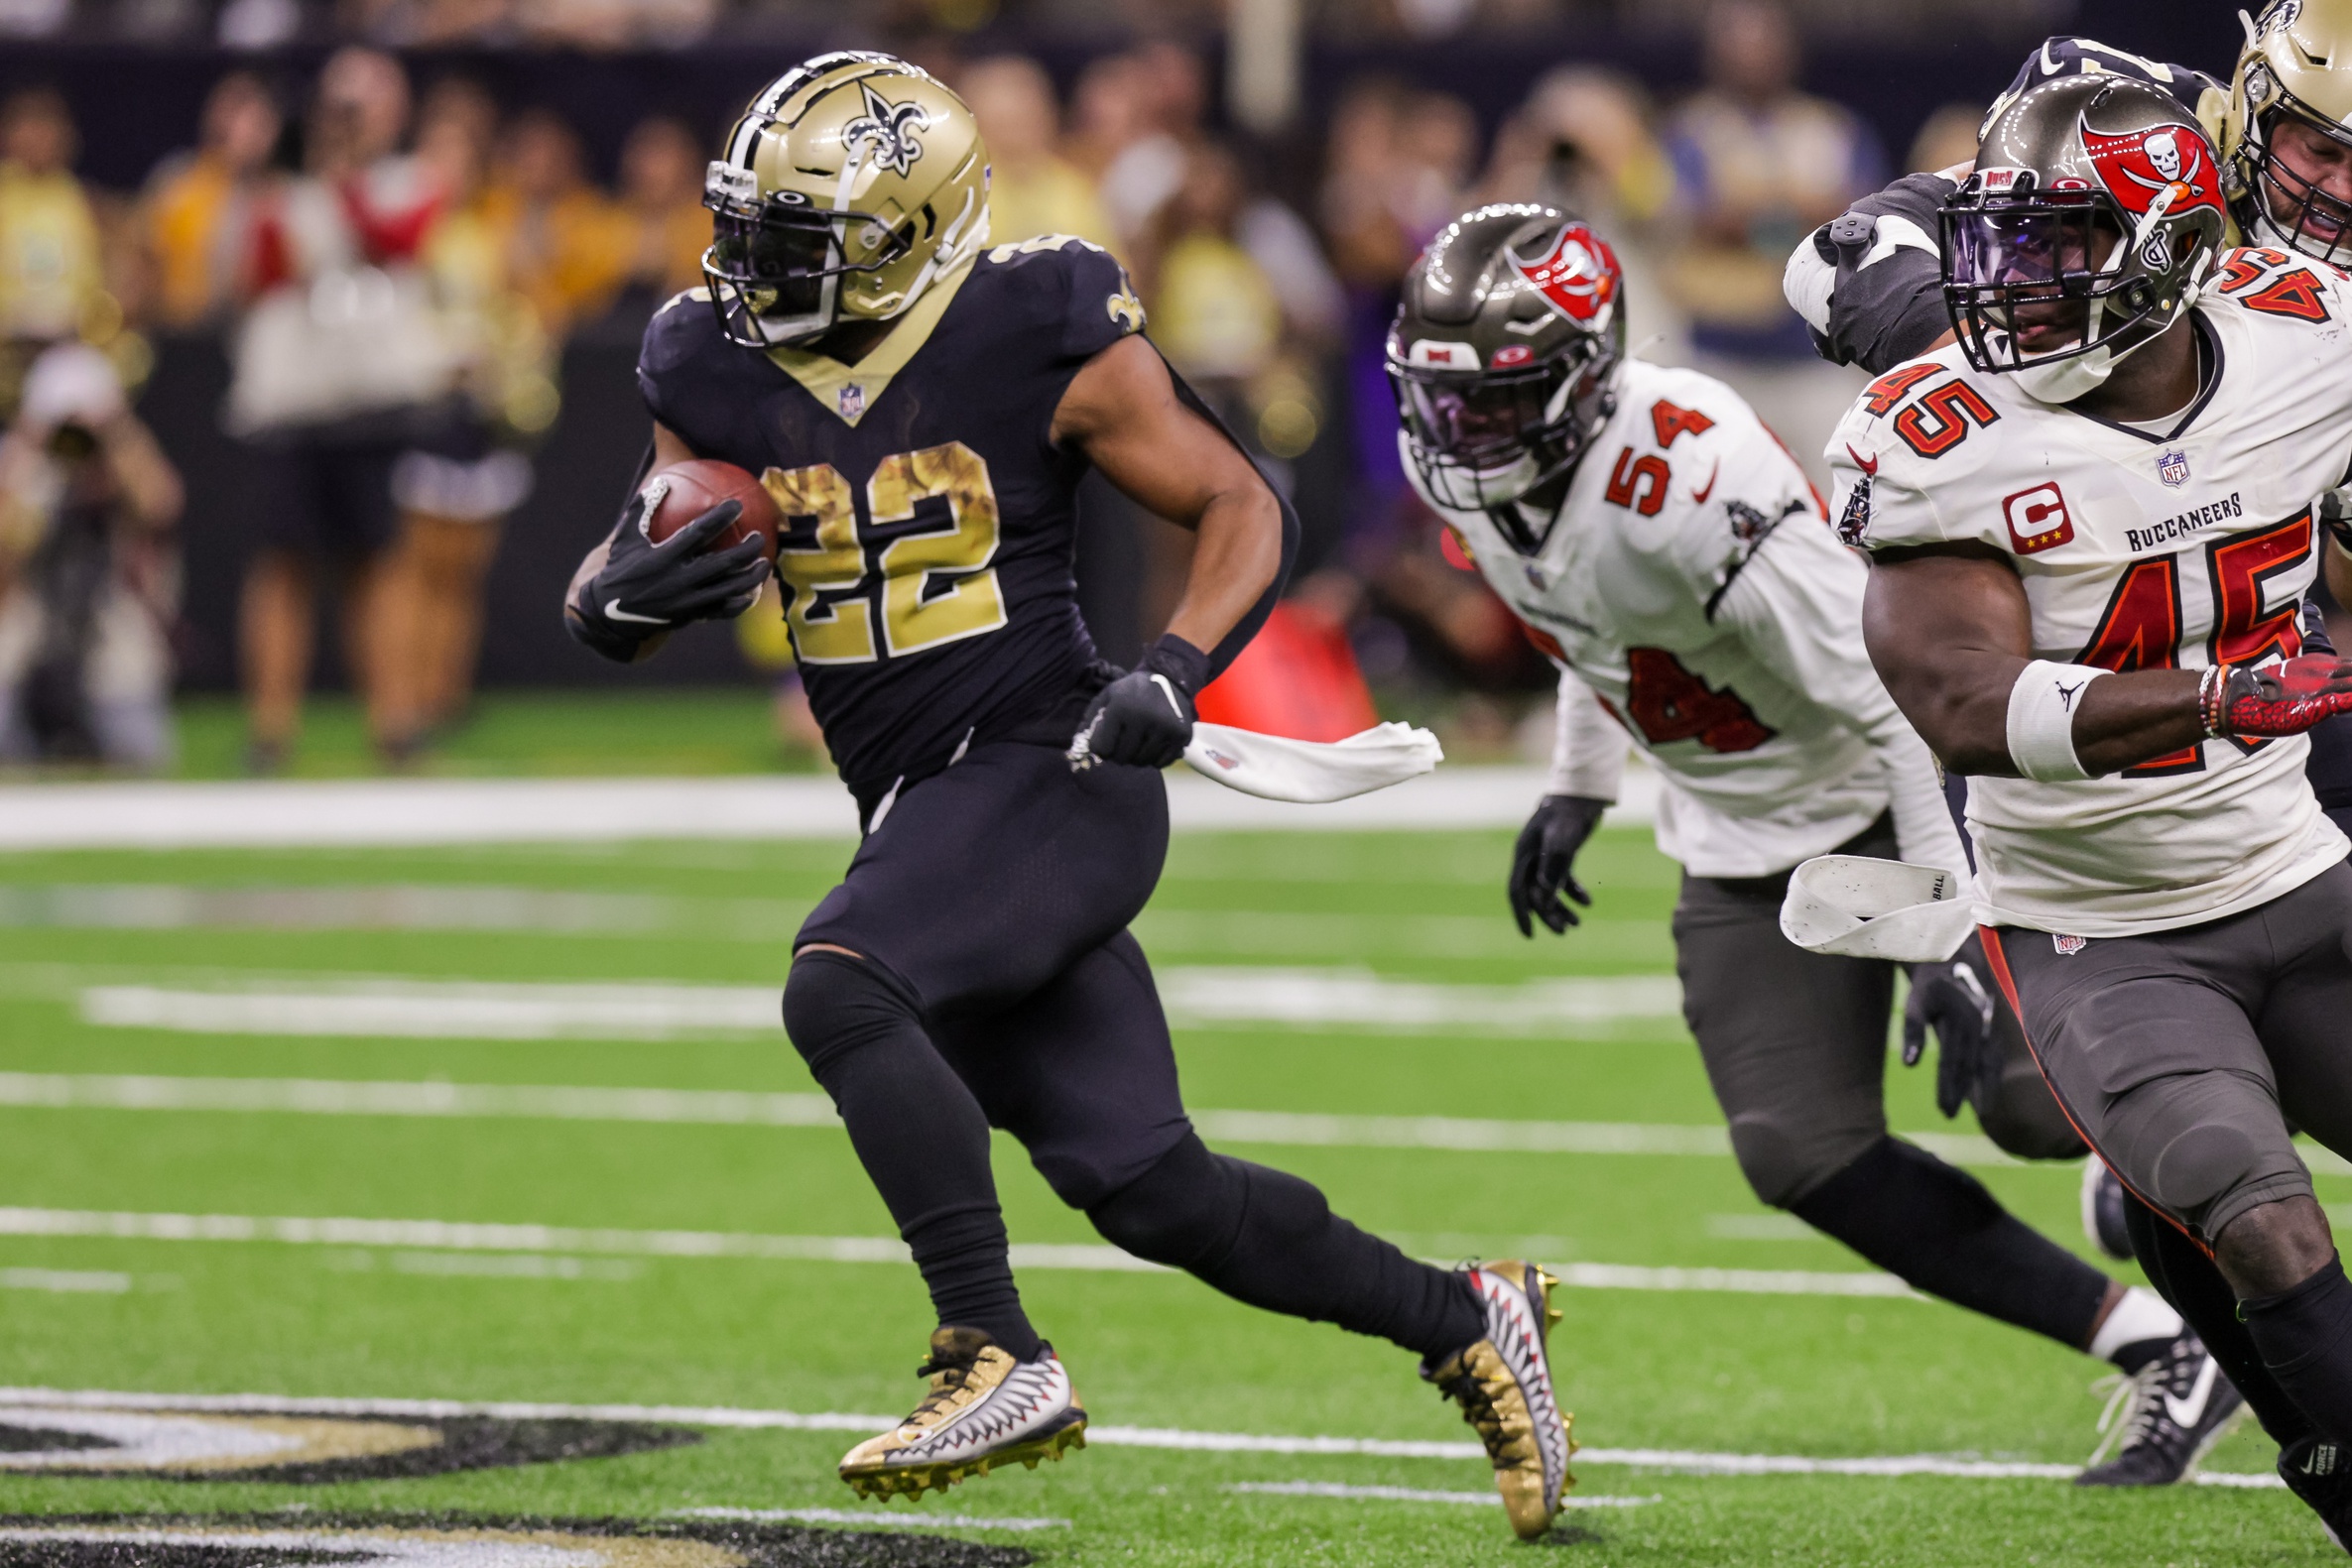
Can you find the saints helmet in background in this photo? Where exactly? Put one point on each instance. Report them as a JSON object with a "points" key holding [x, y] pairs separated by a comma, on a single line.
{"points": [[852, 184], [2296, 67], [2093, 192], [1503, 355]]}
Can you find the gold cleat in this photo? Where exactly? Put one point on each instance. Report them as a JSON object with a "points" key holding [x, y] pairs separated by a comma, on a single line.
{"points": [[1503, 1383], [984, 1409]]}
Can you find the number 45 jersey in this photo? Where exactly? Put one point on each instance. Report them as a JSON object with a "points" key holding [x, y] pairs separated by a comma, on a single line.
{"points": [[931, 523], [2167, 546], [1690, 587]]}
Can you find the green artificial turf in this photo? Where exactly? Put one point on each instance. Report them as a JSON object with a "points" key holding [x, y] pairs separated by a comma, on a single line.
{"points": [[1714, 1372]]}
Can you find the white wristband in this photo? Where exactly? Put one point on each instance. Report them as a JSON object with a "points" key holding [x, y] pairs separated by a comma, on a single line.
{"points": [[2041, 709]]}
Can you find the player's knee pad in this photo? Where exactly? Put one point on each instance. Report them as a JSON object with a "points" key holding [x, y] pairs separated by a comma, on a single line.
{"points": [[834, 1004], [1184, 1212], [1783, 1163]]}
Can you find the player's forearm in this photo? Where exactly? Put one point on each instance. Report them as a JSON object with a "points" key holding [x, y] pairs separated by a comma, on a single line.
{"points": [[2126, 720], [1237, 554]]}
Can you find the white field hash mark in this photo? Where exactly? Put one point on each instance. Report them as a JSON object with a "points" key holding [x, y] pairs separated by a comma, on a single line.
{"points": [[1193, 997], [1335, 1488], [745, 1108], [735, 1418], [445, 1235]]}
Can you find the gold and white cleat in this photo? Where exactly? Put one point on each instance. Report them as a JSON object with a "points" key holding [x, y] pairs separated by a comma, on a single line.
{"points": [[984, 1409], [1503, 1383]]}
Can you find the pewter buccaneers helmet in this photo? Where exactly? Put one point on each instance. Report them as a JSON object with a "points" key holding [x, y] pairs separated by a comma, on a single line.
{"points": [[851, 186], [2088, 190], [2296, 65], [1502, 357]]}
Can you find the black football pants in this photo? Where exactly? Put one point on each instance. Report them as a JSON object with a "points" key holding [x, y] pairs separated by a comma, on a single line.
{"points": [[1796, 1048], [996, 985]]}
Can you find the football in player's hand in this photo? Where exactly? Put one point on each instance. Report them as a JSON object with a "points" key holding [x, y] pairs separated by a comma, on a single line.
{"points": [[677, 495]]}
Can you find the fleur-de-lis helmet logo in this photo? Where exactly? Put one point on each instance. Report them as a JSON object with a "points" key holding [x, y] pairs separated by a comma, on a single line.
{"points": [[889, 130]]}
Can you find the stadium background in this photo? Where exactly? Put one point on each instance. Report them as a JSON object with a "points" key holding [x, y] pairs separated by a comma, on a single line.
{"points": [[430, 1137]]}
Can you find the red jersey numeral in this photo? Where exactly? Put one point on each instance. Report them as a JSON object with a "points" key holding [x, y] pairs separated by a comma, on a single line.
{"points": [[1671, 421], [1939, 422], [2243, 567], [1890, 388], [1639, 483], [2141, 630], [1668, 703], [2297, 294], [2245, 266]]}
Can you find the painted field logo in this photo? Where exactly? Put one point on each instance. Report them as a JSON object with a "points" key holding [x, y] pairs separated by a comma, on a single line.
{"points": [[366, 1541], [300, 1447]]}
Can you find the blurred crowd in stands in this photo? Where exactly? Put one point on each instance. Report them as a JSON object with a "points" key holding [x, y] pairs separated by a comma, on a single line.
{"points": [[396, 264]]}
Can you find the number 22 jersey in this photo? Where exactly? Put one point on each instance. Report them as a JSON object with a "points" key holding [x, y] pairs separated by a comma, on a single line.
{"points": [[2175, 544], [930, 521]]}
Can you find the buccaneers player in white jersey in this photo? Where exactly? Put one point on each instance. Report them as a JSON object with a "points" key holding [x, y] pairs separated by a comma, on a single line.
{"points": [[2090, 528], [1666, 552]]}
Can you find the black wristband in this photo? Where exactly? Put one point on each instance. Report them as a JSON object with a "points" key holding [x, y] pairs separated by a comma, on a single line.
{"points": [[1186, 666]]}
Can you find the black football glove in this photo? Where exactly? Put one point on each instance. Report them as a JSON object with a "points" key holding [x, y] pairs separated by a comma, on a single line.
{"points": [[1951, 999], [646, 589], [1145, 717], [1543, 859]]}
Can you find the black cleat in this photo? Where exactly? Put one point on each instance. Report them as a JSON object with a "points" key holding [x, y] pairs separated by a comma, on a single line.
{"points": [[2164, 1418], [2315, 1470], [2102, 1209]]}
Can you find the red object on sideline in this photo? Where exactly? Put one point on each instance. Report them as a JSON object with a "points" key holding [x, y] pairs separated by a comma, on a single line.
{"points": [[1298, 678]]}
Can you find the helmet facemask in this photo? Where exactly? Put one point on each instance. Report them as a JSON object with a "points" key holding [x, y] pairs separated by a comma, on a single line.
{"points": [[2278, 203], [1481, 439], [775, 265], [2056, 287]]}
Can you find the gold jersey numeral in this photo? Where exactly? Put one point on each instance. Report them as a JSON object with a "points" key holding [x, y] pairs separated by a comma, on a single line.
{"points": [[825, 631], [934, 589], [937, 586]]}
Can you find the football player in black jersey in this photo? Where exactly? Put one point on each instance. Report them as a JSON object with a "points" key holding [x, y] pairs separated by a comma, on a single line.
{"points": [[1869, 286], [922, 406]]}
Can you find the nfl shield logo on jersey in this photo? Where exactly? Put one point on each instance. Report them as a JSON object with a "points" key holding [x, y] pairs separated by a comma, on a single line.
{"points": [[2171, 466], [854, 404], [2069, 946]]}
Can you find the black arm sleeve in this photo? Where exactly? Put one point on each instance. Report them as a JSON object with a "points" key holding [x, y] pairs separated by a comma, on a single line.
{"points": [[1892, 310]]}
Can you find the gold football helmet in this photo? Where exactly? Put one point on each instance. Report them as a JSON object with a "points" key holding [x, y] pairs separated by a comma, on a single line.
{"points": [[851, 186], [2296, 65]]}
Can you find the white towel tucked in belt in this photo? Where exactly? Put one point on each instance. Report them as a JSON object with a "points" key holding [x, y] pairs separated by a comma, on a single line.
{"points": [[1862, 907], [1312, 771]]}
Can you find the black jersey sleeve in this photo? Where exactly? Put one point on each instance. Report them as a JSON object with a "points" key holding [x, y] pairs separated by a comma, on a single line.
{"points": [[1101, 306], [1887, 305], [681, 328], [2087, 57]]}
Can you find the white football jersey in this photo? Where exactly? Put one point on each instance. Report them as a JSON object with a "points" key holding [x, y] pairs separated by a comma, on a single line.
{"points": [[1690, 584], [2140, 549]]}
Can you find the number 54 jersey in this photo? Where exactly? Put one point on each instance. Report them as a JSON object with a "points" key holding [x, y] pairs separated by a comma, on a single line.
{"points": [[2167, 546], [1690, 587], [930, 521]]}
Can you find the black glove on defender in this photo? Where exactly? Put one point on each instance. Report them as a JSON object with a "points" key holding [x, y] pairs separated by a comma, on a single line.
{"points": [[646, 589], [1145, 717], [1953, 1001], [1545, 857]]}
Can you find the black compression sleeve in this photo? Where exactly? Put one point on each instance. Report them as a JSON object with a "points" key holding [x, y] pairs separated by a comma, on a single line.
{"points": [[1892, 310]]}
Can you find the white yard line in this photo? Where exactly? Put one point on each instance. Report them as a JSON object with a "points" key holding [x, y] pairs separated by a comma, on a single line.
{"points": [[1674, 1460], [1197, 997], [1487, 1498], [874, 1518], [412, 811], [478, 1237], [744, 1108]]}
